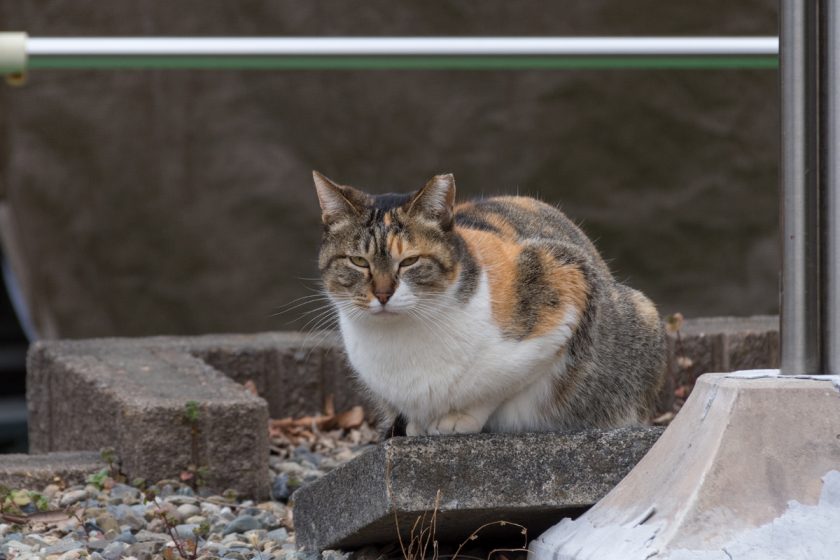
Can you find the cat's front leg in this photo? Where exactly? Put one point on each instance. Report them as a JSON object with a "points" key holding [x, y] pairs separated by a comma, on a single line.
{"points": [[468, 421], [452, 423]]}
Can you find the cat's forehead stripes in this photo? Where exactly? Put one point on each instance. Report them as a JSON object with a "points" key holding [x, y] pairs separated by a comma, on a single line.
{"points": [[384, 235]]}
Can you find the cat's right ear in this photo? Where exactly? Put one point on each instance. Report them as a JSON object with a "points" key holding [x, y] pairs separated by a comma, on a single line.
{"points": [[337, 202]]}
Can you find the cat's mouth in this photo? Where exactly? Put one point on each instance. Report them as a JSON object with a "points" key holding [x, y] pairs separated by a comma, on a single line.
{"points": [[381, 311], [385, 311]]}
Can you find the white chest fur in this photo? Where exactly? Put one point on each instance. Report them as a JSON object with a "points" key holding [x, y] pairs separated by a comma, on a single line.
{"points": [[445, 356]]}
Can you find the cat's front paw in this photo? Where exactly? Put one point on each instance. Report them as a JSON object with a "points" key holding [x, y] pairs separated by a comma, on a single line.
{"points": [[414, 429], [456, 423]]}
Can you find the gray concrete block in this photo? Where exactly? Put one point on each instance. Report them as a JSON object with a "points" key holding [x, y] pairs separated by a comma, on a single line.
{"points": [[531, 479], [295, 372], [753, 348], [132, 395], [721, 344], [34, 472]]}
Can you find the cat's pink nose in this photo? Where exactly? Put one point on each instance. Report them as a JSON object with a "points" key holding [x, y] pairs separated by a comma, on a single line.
{"points": [[383, 297]]}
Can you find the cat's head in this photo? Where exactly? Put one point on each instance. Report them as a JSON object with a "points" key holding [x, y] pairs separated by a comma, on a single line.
{"points": [[387, 255]]}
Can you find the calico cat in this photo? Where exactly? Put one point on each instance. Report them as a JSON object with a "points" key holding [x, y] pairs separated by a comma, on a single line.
{"points": [[493, 315]]}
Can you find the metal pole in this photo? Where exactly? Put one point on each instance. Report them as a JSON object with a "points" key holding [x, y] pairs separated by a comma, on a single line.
{"points": [[830, 184], [800, 300]]}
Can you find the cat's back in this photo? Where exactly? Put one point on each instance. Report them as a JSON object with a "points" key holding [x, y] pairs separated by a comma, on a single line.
{"points": [[541, 269], [518, 220]]}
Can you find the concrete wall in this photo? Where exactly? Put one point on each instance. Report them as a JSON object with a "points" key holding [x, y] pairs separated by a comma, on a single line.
{"points": [[180, 202]]}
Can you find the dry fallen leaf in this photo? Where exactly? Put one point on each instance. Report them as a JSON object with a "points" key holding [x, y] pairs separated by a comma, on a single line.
{"points": [[673, 323], [684, 362], [682, 391], [664, 418], [353, 418], [329, 405]]}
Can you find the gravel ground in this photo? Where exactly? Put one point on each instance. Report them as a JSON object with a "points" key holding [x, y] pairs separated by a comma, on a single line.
{"points": [[107, 519]]}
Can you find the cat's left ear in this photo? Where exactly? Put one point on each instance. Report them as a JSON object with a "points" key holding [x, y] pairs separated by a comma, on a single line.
{"points": [[436, 200]]}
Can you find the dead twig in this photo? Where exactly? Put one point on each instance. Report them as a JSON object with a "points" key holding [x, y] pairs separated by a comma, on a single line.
{"points": [[474, 536]]}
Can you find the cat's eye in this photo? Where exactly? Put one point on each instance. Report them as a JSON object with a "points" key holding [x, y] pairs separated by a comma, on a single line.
{"points": [[359, 261], [409, 261]]}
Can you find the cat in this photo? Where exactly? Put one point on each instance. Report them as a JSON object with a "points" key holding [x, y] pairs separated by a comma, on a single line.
{"points": [[494, 315]]}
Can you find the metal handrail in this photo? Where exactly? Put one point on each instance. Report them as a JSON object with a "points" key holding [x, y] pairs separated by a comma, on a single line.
{"points": [[393, 52], [402, 46]]}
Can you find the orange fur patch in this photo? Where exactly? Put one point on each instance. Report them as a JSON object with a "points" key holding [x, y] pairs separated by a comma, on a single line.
{"points": [[570, 285], [498, 255]]}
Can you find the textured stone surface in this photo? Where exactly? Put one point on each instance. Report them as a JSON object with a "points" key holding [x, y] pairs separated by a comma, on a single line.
{"points": [[141, 394], [731, 477], [179, 202], [531, 479], [37, 471]]}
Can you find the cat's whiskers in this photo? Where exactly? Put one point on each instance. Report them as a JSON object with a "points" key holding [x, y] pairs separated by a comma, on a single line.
{"points": [[328, 318], [445, 343], [325, 300], [437, 323], [321, 320]]}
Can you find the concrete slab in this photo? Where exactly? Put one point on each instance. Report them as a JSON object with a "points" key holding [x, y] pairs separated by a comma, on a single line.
{"points": [[87, 395], [746, 466], [531, 479], [37, 471]]}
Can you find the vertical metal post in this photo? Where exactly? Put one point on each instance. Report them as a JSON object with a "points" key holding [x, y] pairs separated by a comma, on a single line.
{"points": [[830, 184], [800, 279]]}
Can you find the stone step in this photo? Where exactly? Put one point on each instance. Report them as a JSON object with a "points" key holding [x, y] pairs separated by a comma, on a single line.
{"points": [[135, 398], [532, 479], [37, 471]]}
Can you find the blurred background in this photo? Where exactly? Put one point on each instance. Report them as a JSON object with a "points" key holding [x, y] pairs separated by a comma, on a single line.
{"points": [[180, 202]]}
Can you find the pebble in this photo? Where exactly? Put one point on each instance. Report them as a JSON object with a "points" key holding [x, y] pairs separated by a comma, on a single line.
{"points": [[208, 508], [188, 510], [143, 550], [126, 537], [72, 497], [186, 531], [149, 536], [114, 550], [280, 487], [108, 523], [125, 492], [278, 535], [241, 524], [64, 545]]}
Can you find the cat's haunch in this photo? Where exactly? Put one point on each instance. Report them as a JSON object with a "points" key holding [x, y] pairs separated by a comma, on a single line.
{"points": [[496, 314]]}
